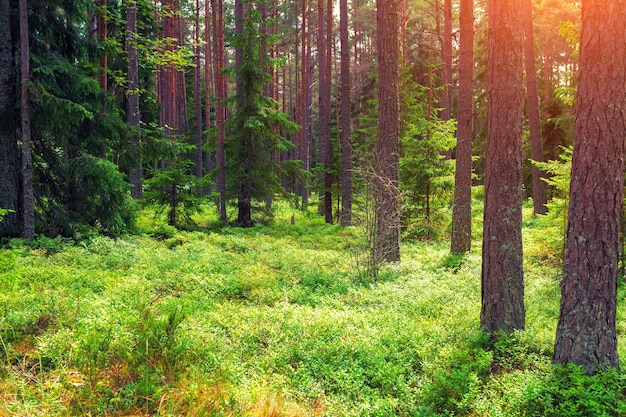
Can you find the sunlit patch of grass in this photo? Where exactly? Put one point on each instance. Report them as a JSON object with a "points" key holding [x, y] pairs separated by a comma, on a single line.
{"points": [[266, 321]]}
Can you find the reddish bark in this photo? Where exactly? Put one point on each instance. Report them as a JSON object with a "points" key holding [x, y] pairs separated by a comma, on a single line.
{"points": [[388, 144], [134, 115], [217, 7], [586, 333], [346, 118], [461, 240], [446, 52], [534, 119], [502, 272], [323, 44]]}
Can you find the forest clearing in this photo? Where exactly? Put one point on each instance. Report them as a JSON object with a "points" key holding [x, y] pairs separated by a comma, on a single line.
{"points": [[312, 207], [280, 321]]}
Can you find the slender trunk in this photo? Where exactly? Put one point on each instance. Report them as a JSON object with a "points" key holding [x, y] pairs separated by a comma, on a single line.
{"points": [[346, 118], [102, 38], [217, 7], [586, 333], [388, 144], [9, 153], [197, 99], [324, 112], [446, 95], [134, 115], [208, 160], [28, 214], [534, 120], [502, 271], [303, 101], [461, 240]]}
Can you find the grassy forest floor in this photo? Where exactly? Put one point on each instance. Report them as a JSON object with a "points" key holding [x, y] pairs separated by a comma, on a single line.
{"points": [[279, 321]]}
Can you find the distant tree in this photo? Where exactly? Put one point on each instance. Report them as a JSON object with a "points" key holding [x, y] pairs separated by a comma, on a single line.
{"points": [[446, 52], [346, 118], [387, 245], [534, 118], [325, 149], [461, 239], [586, 333], [502, 270], [101, 24], [133, 113], [217, 17], [257, 125]]}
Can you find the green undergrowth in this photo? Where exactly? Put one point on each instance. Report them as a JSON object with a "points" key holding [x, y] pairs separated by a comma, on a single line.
{"points": [[276, 321]]}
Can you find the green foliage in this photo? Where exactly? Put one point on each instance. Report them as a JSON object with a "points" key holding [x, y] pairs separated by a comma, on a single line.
{"points": [[176, 188], [259, 128], [237, 321], [426, 179], [4, 212]]}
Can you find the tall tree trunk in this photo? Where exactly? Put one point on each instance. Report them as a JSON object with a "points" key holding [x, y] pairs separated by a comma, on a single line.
{"points": [[534, 119], [461, 240], [388, 144], [586, 333], [9, 154], [244, 202], [134, 115], [197, 99], [217, 7], [324, 110], [346, 118], [28, 214], [208, 160], [303, 100], [502, 271], [446, 52]]}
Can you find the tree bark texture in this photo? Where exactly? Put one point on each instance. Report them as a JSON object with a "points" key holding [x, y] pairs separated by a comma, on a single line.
{"points": [[28, 204], [586, 333], [502, 271], [346, 118], [388, 144], [217, 7], [534, 119], [9, 154], [324, 110], [461, 240], [134, 115]]}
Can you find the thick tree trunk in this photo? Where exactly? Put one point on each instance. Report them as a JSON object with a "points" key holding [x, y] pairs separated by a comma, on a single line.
{"points": [[388, 144], [534, 119], [586, 333], [9, 154], [502, 272], [346, 118], [461, 240], [28, 214], [134, 115]]}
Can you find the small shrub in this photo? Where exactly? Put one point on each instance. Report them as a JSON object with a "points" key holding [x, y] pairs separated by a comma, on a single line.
{"points": [[570, 392]]}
